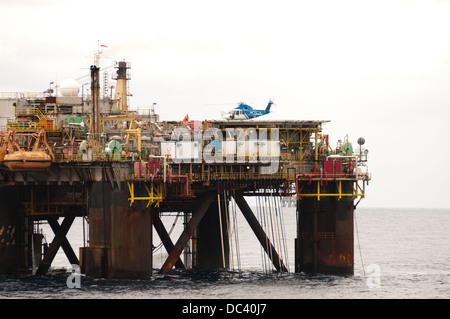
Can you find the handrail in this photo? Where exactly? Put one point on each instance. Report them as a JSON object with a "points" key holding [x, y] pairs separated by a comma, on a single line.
{"points": [[249, 176], [100, 157], [21, 95], [40, 115], [31, 126]]}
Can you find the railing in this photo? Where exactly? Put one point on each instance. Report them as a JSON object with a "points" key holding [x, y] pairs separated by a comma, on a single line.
{"points": [[218, 176], [37, 209], [32, 126], [47, 124], [357, 191], [27, 111], [22, 126], [40, 115], [323, 177], [94, 158], [21, 95]]}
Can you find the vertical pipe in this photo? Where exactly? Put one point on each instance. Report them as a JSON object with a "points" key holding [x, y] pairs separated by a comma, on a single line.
{"points": [[221, 230], [33, 265], [277, 233], [269, 218], [228, 233], [236, 232], [259, 232], [316, 157], [95, 91]]}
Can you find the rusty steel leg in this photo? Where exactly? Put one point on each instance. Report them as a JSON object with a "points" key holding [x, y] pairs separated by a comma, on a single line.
{"points": [[324, 241], [186, 234], [11, 243], [60, 235], [315, 242], [165, 238], [259, 232]]}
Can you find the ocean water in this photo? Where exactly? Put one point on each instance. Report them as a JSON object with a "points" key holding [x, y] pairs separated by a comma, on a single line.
{"points": [[399, 253]]}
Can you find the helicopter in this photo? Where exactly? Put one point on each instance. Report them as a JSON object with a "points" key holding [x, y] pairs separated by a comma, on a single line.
{"points": [[245, 112]]}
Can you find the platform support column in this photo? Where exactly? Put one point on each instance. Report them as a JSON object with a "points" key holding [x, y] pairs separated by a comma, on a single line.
{"points": [[12, 253], [120, 236], [324, 242]]}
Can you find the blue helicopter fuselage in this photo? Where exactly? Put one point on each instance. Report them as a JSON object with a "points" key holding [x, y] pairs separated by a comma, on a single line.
{"points": [[246, 112]]}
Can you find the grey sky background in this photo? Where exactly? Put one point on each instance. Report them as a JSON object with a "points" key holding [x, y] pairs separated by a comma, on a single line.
{"points": [[375, 69]]}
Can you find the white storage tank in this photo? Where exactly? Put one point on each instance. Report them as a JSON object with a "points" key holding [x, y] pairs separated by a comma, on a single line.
{"points": [[69, 88]]}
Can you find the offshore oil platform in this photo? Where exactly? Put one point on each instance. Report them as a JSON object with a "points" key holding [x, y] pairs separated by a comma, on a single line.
{"points": [[64, 156]]}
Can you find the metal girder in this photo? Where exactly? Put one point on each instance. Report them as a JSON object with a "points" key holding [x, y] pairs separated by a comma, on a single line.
{"points": [[259, 232], [187, 233], [165, 238], [155, 194], [71, 256], [59, 240]]}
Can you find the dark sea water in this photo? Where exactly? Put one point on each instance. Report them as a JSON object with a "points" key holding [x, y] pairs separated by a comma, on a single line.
{"points": [[399, 253]]}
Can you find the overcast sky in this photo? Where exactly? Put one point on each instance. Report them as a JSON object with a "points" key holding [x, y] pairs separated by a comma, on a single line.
{"points": [[375, 69]]}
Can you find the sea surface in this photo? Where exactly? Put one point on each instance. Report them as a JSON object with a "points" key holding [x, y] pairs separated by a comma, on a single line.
{"points": [[399, 253]]}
